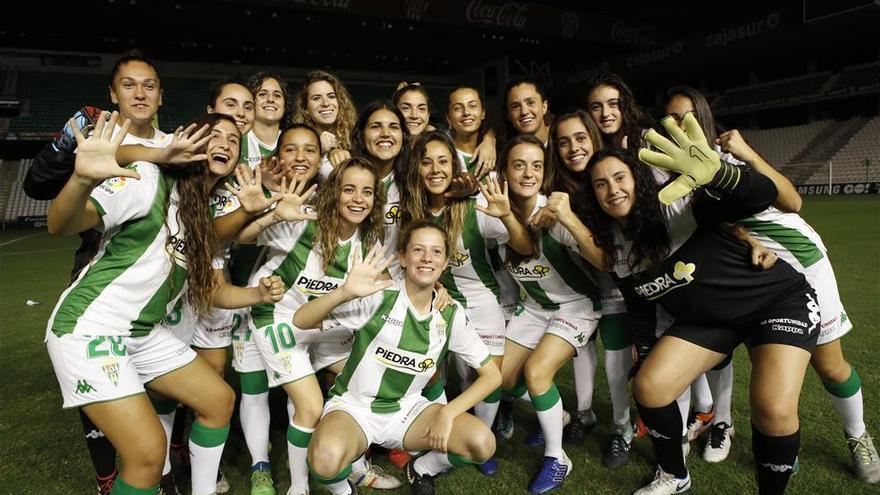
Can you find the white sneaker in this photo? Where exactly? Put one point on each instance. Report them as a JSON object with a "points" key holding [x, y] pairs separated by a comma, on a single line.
{"points": [[864, 456], [374, 477], [718, 447], [665, 484]]}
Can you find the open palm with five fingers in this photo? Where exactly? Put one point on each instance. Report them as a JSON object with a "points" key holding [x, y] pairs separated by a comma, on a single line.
{"points": [[498, 202], [292, 199], [96, 155], [367, 277]]}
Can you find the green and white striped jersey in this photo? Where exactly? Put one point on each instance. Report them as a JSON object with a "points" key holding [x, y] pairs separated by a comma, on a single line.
{"points": [[253, 150], [558, 275], [466, 159], [788, 235], [139, 270], [470, 278], [295, 257], [392, 219], [396, 350]]}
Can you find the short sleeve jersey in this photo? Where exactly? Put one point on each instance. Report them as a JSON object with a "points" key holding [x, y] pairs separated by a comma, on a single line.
{"points": [[253, 150], [139, 270], [470, 277], [558, 275], [294, 256], [396, 350], [788, 235]]}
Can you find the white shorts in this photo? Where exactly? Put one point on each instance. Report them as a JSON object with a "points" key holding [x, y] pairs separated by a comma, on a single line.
{"points": [[488, 321], [214, 331], [285, 359], [573, 322], [324, 354], [835, 322], [246, 356], [103, 368], [387, 430], [610, 296]]}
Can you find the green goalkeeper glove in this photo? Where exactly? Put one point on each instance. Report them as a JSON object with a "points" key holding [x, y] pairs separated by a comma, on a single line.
{"points": [[691, 156]]}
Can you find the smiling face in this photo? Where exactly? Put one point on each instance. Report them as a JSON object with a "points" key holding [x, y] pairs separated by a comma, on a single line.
{"points": [[136, 91], [525, 169], [435, 168], [321, 103], [356, 197], [383, 136], [414, 108], [466, 112], [614, 187], [222, 148], [424, 257], [574, 144], [526, 108], [270, 101], [237, 102], [300, 150], [604, 106]]}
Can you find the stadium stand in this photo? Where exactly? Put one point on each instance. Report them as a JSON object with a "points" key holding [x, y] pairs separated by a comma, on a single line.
{"points": [[859, 158], [14, 201], [780, 145], [858, 78], [49, 98]]}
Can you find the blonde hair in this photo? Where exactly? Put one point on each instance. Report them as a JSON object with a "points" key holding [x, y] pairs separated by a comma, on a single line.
{"points": [[345, 119]]}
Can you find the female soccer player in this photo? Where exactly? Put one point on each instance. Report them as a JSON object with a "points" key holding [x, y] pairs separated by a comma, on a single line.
{"points": [[472, 223], [414, 103], [681, 257], [783, 231], [613, 108], [233, 98], [400, 338], [103, 337], [271, 98], [473, 138], [324, 104], [527, 109], [560, 311]]}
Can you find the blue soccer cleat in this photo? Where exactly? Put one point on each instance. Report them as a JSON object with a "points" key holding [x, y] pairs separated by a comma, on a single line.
{"points": [[552, 474]]}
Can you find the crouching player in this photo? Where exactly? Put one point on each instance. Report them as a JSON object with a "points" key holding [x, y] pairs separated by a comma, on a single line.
{"points": [[399, 339]]}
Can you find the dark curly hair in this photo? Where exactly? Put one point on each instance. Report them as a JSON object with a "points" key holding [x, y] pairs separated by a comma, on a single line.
{"points": [[634, 118], [401, 161], [646, 224]]}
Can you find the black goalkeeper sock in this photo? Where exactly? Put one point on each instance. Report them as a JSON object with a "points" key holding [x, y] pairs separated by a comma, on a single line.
{"points": [[178, 431], [100, 449], [664, 428], [774, 460]]}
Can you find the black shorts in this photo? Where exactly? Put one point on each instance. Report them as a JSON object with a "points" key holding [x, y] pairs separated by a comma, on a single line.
{"points": [[793, 321]]}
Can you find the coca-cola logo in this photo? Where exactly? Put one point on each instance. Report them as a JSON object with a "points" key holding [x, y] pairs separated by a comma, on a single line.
{"points": [[498, 13], [632, 35]]}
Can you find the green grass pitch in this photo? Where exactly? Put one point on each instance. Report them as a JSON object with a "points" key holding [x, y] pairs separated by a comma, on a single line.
{"points": [[43, 451]]}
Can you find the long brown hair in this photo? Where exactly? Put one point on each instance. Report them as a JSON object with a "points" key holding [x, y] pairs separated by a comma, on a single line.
{"points": [[345, 118], [372, 230], [566, 180], [415, 204], [516, 208]]}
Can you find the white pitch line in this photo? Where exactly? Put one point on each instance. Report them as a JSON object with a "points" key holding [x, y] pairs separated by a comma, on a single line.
{"points": [[21, 238]]}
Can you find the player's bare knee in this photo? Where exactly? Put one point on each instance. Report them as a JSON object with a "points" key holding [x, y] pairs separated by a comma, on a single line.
{"points": [[650, 391], [308, 414], [536, 375], [831, 369], [326, 457], [775, 417], [146, 456], [481, 445]]}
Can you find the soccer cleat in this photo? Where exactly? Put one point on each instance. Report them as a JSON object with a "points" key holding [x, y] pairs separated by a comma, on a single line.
{"points": [[422, 484], [167, 485], [222, 482], [640, 428], [504, 420], [84, 119], [104, 485], [399, 458], [552, 474], [665, 484], [488, 468], [617, 452], [374, 477], [864, 457], [718, 447], [698, 422], [261, 479], [582, 423]]}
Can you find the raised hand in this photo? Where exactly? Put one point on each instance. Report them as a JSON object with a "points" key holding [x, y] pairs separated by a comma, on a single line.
{"points": [[733, 142], [559, 204], [463, 186], [338, 156], [292, 199], [272, 170], [187, 145], [484, 157], [690, 155], [328, 141], [250, 192], [96, 155], [366, 277], [498, 202], [443, 298], [543, 218], [271, 289]]}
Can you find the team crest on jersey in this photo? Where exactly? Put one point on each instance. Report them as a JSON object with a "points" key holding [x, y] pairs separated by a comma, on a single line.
{"points": [[111, 369], [524, 272], [458, 259], [682, 274], [404, 361], [439, 326], [392, 215], [110, 186]]}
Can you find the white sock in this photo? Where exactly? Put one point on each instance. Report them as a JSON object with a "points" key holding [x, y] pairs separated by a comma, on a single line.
{"points": [[617, 365], [721, 384], [290, 408], [298, 438], [701, 396], [548, 408], [167, 421], [684, 403], [339, 488], [255, 416], [359, 465], [486, 411], [584, 364], [205, 450], [851, 412], [432, 463]]}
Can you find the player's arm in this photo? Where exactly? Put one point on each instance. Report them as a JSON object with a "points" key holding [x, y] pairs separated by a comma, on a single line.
{"points": [[762, 257], [788, 199], [227, 296], [498, 206], [488, 380], [559, 205]]}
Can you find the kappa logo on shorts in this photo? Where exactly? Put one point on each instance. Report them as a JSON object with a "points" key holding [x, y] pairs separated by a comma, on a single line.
{"points": [[404, 361], [84, 387], [814, 316], [524, 272], [682, 274]]}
